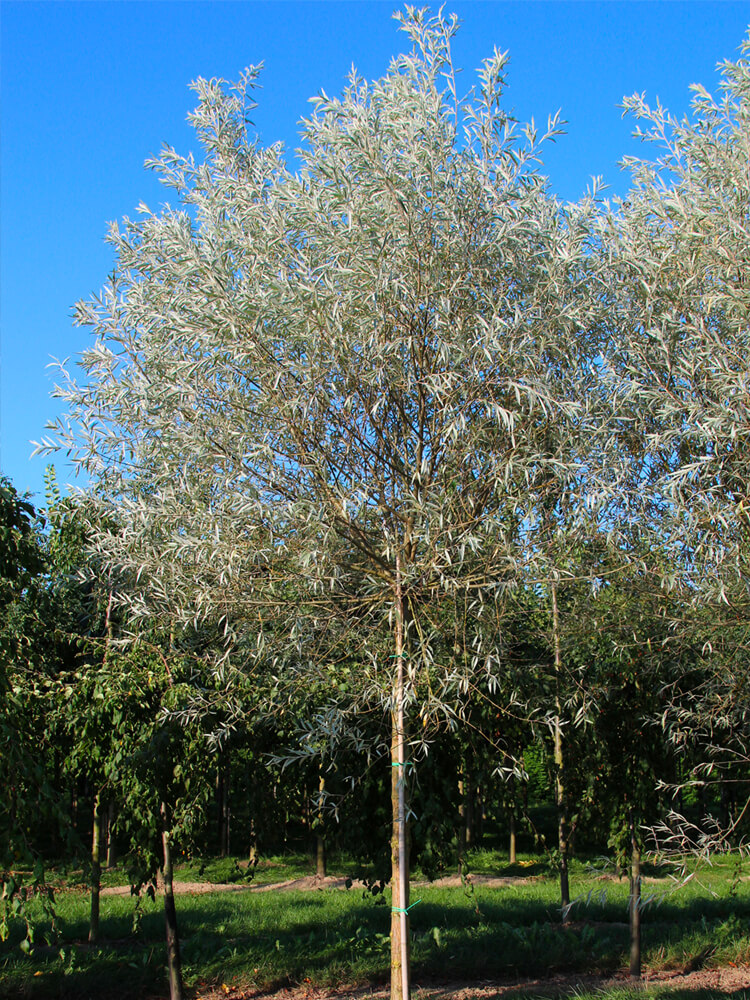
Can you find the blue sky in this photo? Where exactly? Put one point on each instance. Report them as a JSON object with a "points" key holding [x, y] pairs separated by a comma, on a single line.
{"points": [[90, 89]]}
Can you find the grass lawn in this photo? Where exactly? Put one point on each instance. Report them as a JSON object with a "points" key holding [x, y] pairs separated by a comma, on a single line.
{"points": [[326, 937]]}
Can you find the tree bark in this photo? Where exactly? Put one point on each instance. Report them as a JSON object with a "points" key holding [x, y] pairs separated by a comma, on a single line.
{"points": [[461, 823], [252, 854], [174, 967], [111, 850], [224, 810], [561, 797], [74, 804], [635, 901], [512, 843], [400, 973], [469, 796], [478, 816], [96, 869], [399, 872], [320, 841]]}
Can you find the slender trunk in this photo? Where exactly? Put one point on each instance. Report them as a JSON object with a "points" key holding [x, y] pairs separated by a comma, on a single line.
{"points": [[96, 870], [512, 844], [97, 803], [320, 856], [399, 855], [562, 838], [111, 850], [320, 841], [477, 825], [635, 901], [461, 823], [174, 968], [561, 796], [222, 802], [469, 812], [252, 856], [226, 809], [219, 810]]}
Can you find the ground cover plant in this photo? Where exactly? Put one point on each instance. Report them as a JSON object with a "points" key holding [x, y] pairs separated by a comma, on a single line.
{"points": [[324, 937]]}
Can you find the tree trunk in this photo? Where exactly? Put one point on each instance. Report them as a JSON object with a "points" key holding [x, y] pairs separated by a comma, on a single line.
{"points": [[512, 844], [320, 856], [562, 828], [478, 817], [635, 901], [561, 795], [174, 968], [74, 805], [461, 822], [399, 872], [469, 812], [96, 870], [320, 841], [399, 856], [111, 850], [219, 810], [252, 855], [222, 797]]}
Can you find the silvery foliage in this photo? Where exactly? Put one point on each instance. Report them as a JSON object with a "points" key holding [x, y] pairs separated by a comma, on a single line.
{"points": [[297, 376], [680, 252]]}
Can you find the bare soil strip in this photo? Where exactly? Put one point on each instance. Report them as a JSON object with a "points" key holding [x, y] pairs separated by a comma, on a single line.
{"points": [[310, 882], [725, 981]]}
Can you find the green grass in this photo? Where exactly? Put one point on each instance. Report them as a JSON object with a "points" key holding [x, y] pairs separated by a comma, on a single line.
{"points": [[329, 937], [275, 868]]}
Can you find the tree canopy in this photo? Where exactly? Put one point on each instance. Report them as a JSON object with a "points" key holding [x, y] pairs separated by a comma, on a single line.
{"points": [[347, 413]]}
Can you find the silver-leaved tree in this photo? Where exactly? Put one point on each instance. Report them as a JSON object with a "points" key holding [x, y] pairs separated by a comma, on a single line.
{"points": [[333, 396], [680, 256]]}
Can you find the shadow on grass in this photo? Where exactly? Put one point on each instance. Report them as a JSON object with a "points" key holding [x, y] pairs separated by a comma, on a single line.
{"points": [[86, 974], [329, 937]]}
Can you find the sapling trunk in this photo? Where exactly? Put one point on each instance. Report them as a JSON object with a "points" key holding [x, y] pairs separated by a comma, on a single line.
{"points": [[634, 907], [252, 854], [320, 857], [399, 854], [174, 967], [224, 809], [512, 843], [561, 795], [469, 813], [480, 816], [320, 843], [111, 849], [399, 871], [461, 823], [562, 826], [96, 869]]}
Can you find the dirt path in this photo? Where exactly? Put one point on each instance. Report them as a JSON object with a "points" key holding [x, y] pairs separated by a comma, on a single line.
{"points": [[722, 982], [310, 882]]}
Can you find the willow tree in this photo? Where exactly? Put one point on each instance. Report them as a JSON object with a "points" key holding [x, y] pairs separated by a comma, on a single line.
{"points": [[328, 395], [680, 257]]}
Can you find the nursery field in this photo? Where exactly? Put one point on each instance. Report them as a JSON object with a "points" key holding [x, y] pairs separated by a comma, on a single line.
{"points": [[495, 933]]}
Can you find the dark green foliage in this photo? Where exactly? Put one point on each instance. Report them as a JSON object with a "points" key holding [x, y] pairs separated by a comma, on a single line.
{"points": [[29, 661]]}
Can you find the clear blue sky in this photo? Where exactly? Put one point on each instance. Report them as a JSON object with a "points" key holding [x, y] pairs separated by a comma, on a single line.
{"points": [[90, 89]]}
